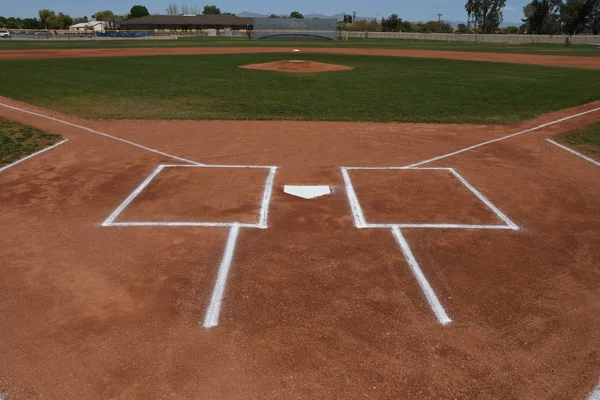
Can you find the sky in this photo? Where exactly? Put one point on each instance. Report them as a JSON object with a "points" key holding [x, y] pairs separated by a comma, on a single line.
{"points": [[421, 10]]}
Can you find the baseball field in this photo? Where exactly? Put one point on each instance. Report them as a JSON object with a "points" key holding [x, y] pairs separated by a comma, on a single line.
{"points": [[151, 248]]}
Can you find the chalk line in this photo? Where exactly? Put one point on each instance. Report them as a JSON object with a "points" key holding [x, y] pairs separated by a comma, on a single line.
{"points": [[214, 309], [264, 207], [595, 394], [32, 155], [436, 226], [481, 197], [574, 152], [185, 224], [102, 134], [359, 218], [503, 138], [430, 295], [132, 196]]}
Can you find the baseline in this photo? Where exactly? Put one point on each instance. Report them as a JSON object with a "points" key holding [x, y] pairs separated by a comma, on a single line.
{"points": [[33, 155], [574, 152], [162, 153]]}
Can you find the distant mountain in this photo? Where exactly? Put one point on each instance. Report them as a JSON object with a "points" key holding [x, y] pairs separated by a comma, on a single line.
{"points": [[249, 14]]}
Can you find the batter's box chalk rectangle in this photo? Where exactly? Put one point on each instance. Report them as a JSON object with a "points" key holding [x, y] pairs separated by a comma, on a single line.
{"points": [[404, 197], [199, 195]]}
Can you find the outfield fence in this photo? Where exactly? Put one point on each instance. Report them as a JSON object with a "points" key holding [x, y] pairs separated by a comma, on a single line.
{"points": [[24, 34]]}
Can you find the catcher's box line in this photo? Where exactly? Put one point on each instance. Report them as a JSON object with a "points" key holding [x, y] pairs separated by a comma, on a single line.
{"points": [[102, 134], [595, 394], [33, 155], [574, 152]]}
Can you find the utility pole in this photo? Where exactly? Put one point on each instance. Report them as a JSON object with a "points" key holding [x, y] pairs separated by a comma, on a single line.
{"points": [[440, 22]]}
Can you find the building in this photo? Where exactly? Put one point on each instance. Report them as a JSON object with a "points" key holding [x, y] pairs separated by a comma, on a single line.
{"points": [[296, 29], [98, 26], [188, 22]]}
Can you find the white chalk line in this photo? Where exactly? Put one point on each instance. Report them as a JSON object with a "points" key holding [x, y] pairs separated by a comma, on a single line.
{"points": [[503, 138], [33, 155], [132, 196], [102, 134], [430, 295], [214, 309], [361, 223], [266, 200], [263, 214], [595, 394], [359, 218], [574, 152]]}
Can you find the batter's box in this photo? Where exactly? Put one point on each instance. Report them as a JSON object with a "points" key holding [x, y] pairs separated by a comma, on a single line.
{"points": [[419, 198], [199, 195]]}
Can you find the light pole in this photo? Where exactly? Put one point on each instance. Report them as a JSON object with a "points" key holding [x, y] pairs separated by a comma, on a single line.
{"points": [[440, 22]]}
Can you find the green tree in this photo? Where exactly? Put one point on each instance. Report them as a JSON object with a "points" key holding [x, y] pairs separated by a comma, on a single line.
{"points": [[211, 10], [486, 14], [228, 13], [105, 15], [32, 23], [64, 20], [542, 16], [48, 19], [347, 18], [138, 11], [462, 28], [576, 15], [296, 14], [391, 23], [274, 16]]}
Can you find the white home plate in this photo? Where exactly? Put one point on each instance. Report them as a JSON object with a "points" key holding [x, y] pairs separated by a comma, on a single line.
{"points": [[307, 192]]}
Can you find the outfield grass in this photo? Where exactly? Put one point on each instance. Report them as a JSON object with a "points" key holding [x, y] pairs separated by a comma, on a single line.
{"points": [[386, 89], [528, 48], [585, 140], [18, 140]]}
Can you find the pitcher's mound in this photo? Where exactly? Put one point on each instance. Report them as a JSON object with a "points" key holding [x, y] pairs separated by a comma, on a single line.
{"points": [[297, 66]]}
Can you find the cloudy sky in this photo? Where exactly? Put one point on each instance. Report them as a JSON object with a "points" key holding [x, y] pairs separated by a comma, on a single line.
{"points": [[411, 10]]}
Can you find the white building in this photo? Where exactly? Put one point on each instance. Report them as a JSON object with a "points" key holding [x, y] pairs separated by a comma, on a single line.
{"points": [[98, 26]]}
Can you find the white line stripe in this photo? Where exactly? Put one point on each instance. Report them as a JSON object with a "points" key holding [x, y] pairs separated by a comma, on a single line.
{"points": [[574, 152], [32, 155], [132, 196], [214, 309], [264, 207], [432, 299], [396, 168], [438, 226], [102, 134], [359, 218], [595, 395], [219, 166], [174, 224], [488, 203], [503, 138]]}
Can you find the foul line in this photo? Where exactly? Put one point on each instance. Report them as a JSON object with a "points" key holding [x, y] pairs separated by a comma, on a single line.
{"points": [[264, 206], [357, 212], [102, 134], [214, 309], [574, 152], [432, 299], [503, 138], [32, 155]]}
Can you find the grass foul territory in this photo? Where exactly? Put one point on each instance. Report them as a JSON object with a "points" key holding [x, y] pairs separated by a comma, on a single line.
{"points": [[385, 89], [18, 141], [585, 140]]}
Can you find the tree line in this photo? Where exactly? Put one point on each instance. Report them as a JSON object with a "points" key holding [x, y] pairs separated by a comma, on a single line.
{"points": [[186, 9], [569, 17], [49, 19]]}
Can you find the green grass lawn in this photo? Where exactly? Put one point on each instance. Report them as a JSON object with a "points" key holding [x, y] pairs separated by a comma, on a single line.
{"points": [[526, 48], [18, 140], [379, 89], [585, 140]]}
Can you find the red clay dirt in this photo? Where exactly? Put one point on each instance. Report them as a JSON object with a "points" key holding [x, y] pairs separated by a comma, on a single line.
{"points": [[564, 61], [314, 308], [301, 66]]}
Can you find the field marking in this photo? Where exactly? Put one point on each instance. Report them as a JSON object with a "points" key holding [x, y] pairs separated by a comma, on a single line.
{"points": [[266, 200], [33, 155], [361, 223], [595, 394], [214, 309], [502, 138], [132, 196], [430, 295], [359, 218], [102, 134], [574, 152]]}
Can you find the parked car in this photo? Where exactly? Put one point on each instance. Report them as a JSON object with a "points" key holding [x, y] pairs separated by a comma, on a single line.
{"points": [[4, 34]]}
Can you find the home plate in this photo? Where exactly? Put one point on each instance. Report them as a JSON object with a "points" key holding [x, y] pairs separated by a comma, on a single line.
{"points": [[307, 192]]}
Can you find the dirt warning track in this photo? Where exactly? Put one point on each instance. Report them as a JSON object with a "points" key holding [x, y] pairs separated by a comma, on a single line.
{"points": [[314, 307], [563, 61]]}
